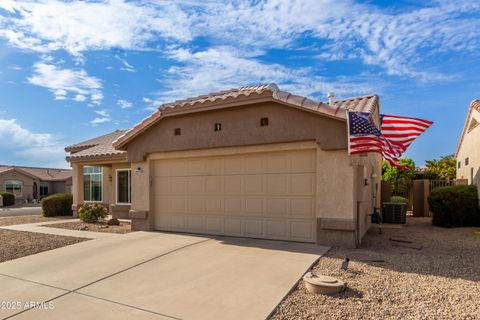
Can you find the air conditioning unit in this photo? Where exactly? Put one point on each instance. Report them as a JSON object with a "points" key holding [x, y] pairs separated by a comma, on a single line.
{"points": [[394, 213]]}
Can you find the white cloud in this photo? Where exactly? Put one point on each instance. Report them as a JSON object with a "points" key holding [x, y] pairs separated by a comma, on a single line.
{"points": [[31, 148], [126, 66], [124, 104], [78, 26], [147, 100], [62, 82], [104, 117], [80, 98], [220, 68]]}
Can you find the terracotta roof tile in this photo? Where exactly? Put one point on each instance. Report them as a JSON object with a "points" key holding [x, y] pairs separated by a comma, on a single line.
{"points": [[44, 174], [96, 147], [271, 90]]}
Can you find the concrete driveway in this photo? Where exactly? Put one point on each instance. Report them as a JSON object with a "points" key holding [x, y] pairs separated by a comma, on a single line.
{"points": [[20, 211], [145, 275]]}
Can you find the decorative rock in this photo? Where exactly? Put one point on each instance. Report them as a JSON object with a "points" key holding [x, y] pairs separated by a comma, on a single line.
{"points": [[324, 284], [113, 222], [84, 228]]}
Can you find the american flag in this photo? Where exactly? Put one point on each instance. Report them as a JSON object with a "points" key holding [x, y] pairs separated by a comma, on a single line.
{"points": [[391, 140]]}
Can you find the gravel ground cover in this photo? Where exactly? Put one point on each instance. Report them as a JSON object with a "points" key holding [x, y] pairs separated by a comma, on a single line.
{"points": [[124, 227], [8, 221], [16, 244], [439, 281]]}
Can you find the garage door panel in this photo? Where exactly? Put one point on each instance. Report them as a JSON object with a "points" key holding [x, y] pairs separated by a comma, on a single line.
{"points": [[277, 229], [302, 207], [302, 184], [255, 164], [195, 223], [302, 230], [254, 184], [264, 195], [233, 226], [254, 206], [233, 205], [196, 185], [214, 185], [215, 205], [214, 225], [233, 184], [277, 207], [278, 184], [254, 227]]}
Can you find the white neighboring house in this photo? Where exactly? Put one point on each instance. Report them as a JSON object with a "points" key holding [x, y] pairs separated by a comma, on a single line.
{"points": [[468, 150]]}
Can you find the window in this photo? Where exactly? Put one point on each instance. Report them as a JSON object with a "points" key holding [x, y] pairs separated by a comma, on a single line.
{"points": [[263, 122], [92, 184], [459, 164], [177, 131], [217, 127], [124, 186], [466, 161], [14, 186], [43, 189]]}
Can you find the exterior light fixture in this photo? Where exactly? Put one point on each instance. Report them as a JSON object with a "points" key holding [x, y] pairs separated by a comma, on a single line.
{"points": [[374, 175], [139, 171]]}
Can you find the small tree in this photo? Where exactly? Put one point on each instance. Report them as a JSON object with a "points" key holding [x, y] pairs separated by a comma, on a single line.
{"points": [[443, 169], [398, 176]]}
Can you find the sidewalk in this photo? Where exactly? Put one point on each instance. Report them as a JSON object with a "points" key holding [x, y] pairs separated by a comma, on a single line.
{"points": [[40, 227]]}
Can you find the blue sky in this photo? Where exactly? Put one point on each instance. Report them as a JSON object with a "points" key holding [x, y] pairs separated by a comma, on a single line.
{"points": [[73, 70]]}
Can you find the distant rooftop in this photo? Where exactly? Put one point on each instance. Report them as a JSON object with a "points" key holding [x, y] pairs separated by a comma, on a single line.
{"points": [[45, 174]]}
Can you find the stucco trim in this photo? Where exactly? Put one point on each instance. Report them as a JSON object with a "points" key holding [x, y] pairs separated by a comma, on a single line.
{"points": [[225, 151], [336, 224]]}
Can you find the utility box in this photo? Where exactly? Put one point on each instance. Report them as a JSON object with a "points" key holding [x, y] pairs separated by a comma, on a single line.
{"points": [[394, 212]]}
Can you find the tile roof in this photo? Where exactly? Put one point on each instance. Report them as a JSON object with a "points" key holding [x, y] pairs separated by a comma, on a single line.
{"points": [[44, 174], [97, 147], [475, 104], [258, 93]]}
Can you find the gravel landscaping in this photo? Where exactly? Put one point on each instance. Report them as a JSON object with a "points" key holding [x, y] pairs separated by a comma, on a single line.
{"points": [[9, 221], [426, 273], [16, 244], [124, 227]]}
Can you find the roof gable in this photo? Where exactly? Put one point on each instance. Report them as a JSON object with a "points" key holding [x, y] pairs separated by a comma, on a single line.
{"points": [[249, 95], [97, 147], [467, 127]]}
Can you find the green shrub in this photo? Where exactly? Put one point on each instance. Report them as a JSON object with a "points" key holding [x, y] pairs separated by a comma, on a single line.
{"points": [[455, 206], [92, 212], [398, 199], [57, 205], [8, 198]]}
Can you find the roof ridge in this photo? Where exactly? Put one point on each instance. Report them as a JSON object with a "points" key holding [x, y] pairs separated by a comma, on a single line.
{"points": [[27, 167]]}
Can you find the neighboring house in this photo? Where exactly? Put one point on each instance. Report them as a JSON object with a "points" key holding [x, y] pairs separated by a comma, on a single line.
{"points": [[468, 150], [28, 183], [250, 162]]}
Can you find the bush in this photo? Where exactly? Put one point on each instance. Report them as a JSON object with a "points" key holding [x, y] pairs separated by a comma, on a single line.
{"points": [[8, 198], [398, 199], [57, 205], [455, 206], [92, 212]]}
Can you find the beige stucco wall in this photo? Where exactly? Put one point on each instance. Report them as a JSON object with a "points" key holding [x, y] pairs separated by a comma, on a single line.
{"points": [[27, 188], [240, 126], [470, 148]]}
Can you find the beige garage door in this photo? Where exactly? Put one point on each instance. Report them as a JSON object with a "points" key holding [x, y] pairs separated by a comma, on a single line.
{"points": [[262, 195]]}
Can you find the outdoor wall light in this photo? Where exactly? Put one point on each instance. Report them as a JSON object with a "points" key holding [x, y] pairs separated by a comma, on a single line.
{"points": [[374, 175], [366, 182], [139, 171], [110, 178]]}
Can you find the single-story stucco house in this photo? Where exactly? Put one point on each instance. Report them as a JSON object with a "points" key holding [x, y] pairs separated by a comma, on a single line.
{"points": [[28, 183], [468, 149], [249, 162]]}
